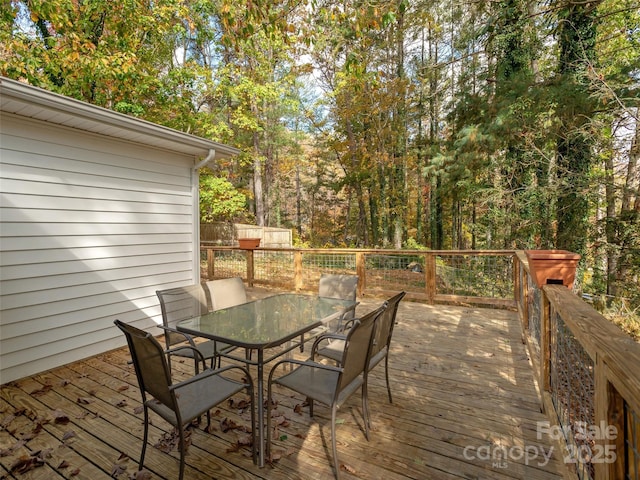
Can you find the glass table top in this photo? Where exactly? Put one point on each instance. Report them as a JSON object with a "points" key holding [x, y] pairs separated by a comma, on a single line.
{"points": [[266, 322]]}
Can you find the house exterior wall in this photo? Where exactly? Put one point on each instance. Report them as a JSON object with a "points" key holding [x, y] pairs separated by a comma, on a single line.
{"points": [[91, 228]]}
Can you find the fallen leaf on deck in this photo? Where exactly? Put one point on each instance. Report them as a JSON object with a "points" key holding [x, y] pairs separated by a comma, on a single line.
{"points": [[25, 464], [20, 411], [210, 428], [28, 436], [60, 418], [7, 420], [118, 470], [347, 468], [244, 440], [226, 425], [275, 456], [169, 441], [239, 404], [41, 391], [141, 475], [43, 454]]}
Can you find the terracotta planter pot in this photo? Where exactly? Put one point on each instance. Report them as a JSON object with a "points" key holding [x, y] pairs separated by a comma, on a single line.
{"points": [[249, 243], [553, 266]]}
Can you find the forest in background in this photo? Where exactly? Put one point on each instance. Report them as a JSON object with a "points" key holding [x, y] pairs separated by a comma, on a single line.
{"points": [[398, 124]]}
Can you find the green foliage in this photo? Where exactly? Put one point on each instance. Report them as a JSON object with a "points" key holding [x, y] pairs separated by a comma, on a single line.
{"points": [[376, 123], [412, 244], [219, 200]]}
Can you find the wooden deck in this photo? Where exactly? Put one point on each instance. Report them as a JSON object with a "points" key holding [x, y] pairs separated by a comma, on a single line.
{"points": [[465, 406]]}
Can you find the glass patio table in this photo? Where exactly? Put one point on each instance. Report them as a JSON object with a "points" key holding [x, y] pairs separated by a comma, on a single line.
{"points": [[262, 324]]}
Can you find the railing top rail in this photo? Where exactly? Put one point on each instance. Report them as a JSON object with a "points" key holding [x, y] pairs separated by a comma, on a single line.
{"points": [[368, 250]]}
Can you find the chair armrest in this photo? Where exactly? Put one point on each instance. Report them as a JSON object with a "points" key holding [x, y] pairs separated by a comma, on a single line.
{"points": [[186, 336], [307, 363], [352, 308], [325, 336], [196, 352], [208, 373], [347, 325]]}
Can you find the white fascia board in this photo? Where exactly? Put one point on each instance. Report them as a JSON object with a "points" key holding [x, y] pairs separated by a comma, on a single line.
{"points": [[16, 96]]}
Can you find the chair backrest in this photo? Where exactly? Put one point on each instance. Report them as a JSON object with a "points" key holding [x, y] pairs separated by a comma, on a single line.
{"points": [[357, 347], [387, 320], [179, 304], [343, 287], [226, 292], [150, 364]]}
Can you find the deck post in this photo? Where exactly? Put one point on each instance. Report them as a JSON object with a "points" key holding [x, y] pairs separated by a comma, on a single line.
{"points": [[361, 271], [545, 342], [297, 270], [609, 420], [430, 277], [210, 265], [250, 271]]}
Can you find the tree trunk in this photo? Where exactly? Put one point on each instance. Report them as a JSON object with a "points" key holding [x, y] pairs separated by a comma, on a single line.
{"points": [[577, 54]]}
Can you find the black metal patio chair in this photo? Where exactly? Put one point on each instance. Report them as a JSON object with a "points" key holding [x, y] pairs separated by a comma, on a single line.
{"points": [[328, 384], [179, 403]]}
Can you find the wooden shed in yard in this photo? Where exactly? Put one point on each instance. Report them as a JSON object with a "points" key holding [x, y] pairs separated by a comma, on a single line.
{"points": [[98, 211]]}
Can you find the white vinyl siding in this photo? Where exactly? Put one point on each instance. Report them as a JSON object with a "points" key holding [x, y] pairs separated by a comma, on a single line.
{"points": [[91, 228]]}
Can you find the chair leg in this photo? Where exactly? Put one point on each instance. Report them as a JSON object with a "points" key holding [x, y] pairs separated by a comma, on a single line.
{"points": [[145, 438], [365, 410], [254, 450], [268, 446], [386, 373], [181, 435], [336, 463]]}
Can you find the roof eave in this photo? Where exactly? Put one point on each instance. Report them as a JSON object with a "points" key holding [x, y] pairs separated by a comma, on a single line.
{"points": [[147, 133]]}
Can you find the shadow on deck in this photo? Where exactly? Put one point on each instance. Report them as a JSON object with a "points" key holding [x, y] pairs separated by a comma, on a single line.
{"points": [[465, 406]]}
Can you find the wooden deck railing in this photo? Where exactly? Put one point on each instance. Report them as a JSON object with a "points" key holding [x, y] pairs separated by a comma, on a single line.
{"points": [[435, 276], [588, 370], [589, 374]]}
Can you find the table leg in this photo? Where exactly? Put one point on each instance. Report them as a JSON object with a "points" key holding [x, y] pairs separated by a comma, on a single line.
{"points": [[261, 443]]}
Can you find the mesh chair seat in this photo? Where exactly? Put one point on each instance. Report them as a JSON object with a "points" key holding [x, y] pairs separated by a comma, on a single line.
{"points": [[197, 397]]}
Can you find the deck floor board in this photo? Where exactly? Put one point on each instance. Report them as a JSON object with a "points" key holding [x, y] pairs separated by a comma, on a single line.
{"points": [[463, 388]]}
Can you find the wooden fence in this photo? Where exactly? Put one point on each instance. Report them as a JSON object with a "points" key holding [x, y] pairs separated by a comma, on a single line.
{"points": [[227, 234]]}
